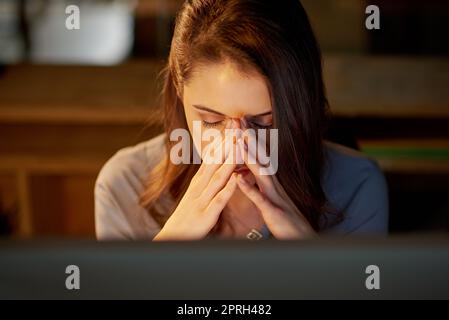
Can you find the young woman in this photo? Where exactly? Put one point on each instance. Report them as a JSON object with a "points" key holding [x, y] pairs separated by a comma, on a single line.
{"points": [[242, 64]]}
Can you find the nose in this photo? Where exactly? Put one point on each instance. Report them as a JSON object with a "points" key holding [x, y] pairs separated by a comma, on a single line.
{"points": [[238, 123], [235, 123]]}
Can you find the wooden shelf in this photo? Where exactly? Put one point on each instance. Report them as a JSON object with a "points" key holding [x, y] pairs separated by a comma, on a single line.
{"points": [[416, 156], [79, 94], [387, 87]]}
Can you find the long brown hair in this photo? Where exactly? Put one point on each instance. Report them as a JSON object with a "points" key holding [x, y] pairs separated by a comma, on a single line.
{"points": [[275, 39]]}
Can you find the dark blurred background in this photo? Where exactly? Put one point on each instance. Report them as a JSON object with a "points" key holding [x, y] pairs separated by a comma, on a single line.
{"points": [[70, 98]]}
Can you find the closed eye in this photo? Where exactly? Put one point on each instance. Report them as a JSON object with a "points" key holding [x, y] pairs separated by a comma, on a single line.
{"points": [[208, 124], [260, 126]]}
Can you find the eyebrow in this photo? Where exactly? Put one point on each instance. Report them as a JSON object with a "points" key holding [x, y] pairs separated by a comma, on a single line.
{"points": [[203, 108]]}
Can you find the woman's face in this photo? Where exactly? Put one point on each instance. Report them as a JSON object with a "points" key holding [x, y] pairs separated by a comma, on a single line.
{"points": [[216, 94]]}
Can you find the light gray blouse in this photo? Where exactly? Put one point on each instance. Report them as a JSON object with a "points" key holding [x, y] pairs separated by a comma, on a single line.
{"points": [[352, 182]]}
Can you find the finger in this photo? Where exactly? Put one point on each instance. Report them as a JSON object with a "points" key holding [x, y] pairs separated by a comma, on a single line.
{"points": [[279, 223], [221, 199], [207, 169], [258, 146], [219, 178], [265, 182], [216, 151], [266, 207], [218, 173], [217, 146]]}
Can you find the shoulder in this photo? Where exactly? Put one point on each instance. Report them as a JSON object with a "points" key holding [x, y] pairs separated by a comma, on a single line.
{"points": [[133, 161], [355, 186], [343, 162], [120, 182]]}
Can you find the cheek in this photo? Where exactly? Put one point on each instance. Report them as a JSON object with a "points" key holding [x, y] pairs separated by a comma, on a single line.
{"points": [[189, 126], [190, 117], [264, 140]]}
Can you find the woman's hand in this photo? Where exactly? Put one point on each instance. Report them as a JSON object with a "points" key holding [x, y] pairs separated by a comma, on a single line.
{"points": [[207, 195], [280, 214]]}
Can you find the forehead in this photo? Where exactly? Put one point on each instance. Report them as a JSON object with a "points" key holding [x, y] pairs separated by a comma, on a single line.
{"points": [[224, 88]]}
